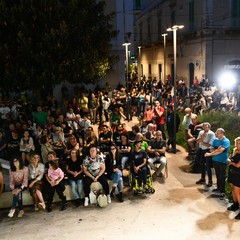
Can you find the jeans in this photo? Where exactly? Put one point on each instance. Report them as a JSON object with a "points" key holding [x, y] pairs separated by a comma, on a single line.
{"points": [[17, 199], [161, 159], [77, 188], [117, 180], [124, 161]]}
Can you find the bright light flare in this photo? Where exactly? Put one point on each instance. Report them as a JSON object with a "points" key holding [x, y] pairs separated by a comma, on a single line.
{"points": [[227, 80]]}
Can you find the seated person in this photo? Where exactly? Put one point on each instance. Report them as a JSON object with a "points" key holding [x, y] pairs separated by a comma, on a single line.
{"points": [[117, 134], [150, 134], [90, 138], [156, 152], [55, 182], [105, 139], [94, 170], [144, 145], [75, 176], [114, 173], [70, 145], [132, 134], [139, 166], [193, 131], [124, 149]]}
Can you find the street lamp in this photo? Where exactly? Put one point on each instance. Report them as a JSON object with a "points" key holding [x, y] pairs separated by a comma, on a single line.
{"points": [[164, 58], [174, 30], [139, 62], [126, 77]]}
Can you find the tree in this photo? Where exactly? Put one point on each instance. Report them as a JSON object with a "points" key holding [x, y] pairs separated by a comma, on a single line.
{"points": [[45, 42]]}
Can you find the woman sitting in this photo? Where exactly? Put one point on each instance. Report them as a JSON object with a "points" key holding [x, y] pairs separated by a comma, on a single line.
{"points": [[26, 146], [114, 173], [75, 176], [124, 149], [71, 144], [94, 170], [18, 182], [36, 172]]}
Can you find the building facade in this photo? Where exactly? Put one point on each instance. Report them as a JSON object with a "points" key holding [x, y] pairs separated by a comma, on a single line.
{"points": [[207, 46], [126, 12]]}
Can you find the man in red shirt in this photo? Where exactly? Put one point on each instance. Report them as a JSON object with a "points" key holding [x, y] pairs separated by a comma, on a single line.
{"points": [[160, 118]]}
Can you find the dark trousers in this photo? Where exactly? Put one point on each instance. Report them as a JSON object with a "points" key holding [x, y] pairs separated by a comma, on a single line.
{"points": [[17, 199], [220, 170], [171, 140], [142, 176], [87, 181], [60, 188], [205, 164]]}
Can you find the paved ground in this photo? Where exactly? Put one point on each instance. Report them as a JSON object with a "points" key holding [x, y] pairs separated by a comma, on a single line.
{"points": [[179, 209]]}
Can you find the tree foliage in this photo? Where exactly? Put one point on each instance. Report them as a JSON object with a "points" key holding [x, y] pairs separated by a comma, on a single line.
{"points": [[45, 42]]}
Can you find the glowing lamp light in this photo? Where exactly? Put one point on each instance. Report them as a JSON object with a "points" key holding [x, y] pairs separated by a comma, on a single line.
{"points": [[227, 80]]}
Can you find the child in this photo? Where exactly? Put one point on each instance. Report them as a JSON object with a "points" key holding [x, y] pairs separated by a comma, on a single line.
{"points": [[55, 182]]}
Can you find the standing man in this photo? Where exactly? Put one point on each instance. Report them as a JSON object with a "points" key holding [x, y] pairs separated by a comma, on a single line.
{"points": [[160, 118], [205, 139], [187, 120], [156, 151], [219, 151], [170, 128]]}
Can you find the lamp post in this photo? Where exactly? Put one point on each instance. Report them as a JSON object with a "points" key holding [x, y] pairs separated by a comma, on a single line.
{"points": [[126, 77], [164, 58], [139, 62], [174, 30]]}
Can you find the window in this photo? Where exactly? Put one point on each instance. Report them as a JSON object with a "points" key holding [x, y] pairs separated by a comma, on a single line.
{"points": [[138, 4], [235, 12], [191, 15], [160, 71], [173, 18], [149, 69]]}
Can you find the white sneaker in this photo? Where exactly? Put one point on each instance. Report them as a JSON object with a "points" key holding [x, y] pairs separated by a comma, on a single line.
{"points": [[109, 199], [86, 201], [20, 214], [11, 213]]}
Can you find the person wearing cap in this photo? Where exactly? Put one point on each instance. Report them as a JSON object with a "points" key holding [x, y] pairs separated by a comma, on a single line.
{"points": [[205, 139], [219, 152], [139, 166]]}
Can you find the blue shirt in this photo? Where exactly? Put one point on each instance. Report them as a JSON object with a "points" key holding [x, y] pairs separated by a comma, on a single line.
{"points": [[225, 143]]}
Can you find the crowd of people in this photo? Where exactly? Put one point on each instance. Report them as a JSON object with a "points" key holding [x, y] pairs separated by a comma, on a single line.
{"points": [[211, 150], [49, 143]]}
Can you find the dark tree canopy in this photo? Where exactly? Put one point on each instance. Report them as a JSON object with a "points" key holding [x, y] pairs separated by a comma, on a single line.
{"points": [[45, 42]]}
